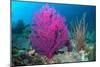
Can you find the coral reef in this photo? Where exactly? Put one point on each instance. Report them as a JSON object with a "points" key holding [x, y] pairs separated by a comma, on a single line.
{"points": [[25, 59], [48, 40], [82, 40]]}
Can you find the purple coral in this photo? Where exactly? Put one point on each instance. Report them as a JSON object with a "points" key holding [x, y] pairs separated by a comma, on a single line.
{"points": [[49, 32]]}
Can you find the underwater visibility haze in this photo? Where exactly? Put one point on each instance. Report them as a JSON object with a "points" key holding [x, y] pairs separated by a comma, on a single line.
{"points": [[52, 33]]}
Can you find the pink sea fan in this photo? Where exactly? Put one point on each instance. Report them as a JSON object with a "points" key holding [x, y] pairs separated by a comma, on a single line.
{"points": [[49, 32]]}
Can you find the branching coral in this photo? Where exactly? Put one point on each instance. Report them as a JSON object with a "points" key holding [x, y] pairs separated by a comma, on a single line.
{"points": [[79, 29], [49, 32]]}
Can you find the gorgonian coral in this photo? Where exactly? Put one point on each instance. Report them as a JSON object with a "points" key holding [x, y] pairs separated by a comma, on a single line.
{"points": [[80, 29], [49, 32]]}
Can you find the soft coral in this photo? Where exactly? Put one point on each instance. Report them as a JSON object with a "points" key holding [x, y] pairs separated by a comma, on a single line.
{"points": [[49, 32]]}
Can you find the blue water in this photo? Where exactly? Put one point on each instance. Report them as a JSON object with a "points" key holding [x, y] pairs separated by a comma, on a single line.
{"points": [[25, 11]]}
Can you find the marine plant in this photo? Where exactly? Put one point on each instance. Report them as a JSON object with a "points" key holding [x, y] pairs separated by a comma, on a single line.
{"points": [[49, 32], [79, 29]]}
